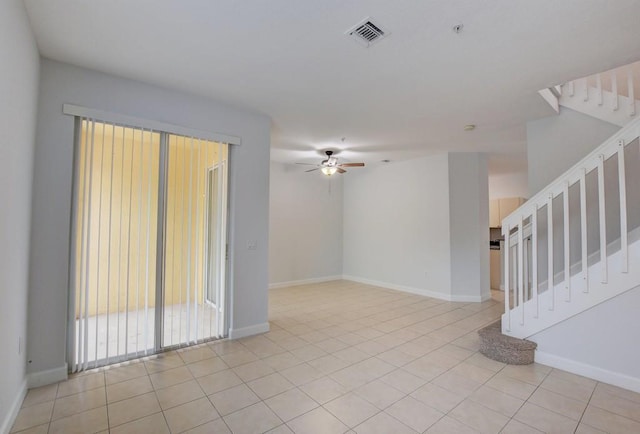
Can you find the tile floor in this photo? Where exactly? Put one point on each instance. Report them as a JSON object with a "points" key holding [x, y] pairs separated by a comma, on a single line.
{"points": [[340, 357]]}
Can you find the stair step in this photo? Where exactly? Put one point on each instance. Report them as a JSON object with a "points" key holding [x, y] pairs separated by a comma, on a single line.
{"points": [[503, 348]]}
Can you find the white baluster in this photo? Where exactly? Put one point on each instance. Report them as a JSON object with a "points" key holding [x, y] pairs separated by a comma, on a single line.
{"points": [[603, 221], [624, 248], [585, 90], [583, 229], [507, 305], [550, 286], [571, 88], [599, 87], [520, 257], [567, 240], [534, 259]]}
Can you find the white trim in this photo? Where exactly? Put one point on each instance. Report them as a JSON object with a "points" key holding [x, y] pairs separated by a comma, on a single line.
{"points": [[50, 376], [419, 291], [132, 121], [14, 409], [589, 371], [248, 331], [304, 281]]}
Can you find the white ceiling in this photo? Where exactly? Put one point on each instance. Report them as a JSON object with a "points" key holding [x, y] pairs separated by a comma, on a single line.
{"points": [[406, 96]]}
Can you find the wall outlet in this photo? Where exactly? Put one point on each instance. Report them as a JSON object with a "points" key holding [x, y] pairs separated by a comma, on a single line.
{"points": [[252, 244]]}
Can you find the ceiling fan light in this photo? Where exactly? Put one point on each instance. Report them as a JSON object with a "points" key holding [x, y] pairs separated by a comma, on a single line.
{"points": [[329, 170]]}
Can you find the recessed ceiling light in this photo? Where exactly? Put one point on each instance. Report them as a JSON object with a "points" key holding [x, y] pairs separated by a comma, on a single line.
{"points": [[458, 28], [469, 127]]}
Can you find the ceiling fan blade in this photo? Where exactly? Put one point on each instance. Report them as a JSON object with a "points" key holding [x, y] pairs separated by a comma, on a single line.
{"points": [[341, 170], [307, 164], [351, 165], [311, 170]]}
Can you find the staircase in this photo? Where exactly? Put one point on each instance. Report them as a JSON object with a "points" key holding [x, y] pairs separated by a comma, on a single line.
{"points": [[576, 243]]}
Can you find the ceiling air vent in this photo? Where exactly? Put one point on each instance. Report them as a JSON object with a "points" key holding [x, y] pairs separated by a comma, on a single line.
{"points": [[366, 32]]}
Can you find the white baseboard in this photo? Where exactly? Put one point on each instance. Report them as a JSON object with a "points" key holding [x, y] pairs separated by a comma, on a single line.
{"points": [[304, 281], [248, 331], [50, 376], [10, 417], [589, 371], [419, 291]]}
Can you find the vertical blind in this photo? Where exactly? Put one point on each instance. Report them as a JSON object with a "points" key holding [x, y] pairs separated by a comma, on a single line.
{"points": [[146, 269]]}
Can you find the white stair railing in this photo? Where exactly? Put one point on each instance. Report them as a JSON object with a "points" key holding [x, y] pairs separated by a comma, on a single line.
{"points": [[536, 299]]}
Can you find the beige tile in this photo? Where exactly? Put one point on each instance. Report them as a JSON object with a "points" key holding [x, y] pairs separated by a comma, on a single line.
{"points": [[352, 377], [318, 421], [615, 404], [40, 395], [532, 374], [239, 357], [449, 425], [219, 381], [217, 426], [207, 366], [290, 404], [179, 394], [374, 367], [437, 397], [282, 429], [331, 345], [152, 424], [233, 399], [396, 357], [282, 361], [255, 419], [124, 373], [351, 409], [328, 364], [308, 352], [609, 422], [478, 417], [225, 346], [496, 400], [252, 370], [586, 429], [457, 384], [128, 389], [163, 362], [476, 373], [196, 354], [33, 415], [301, 374], [414, 414], [403, 381], [81, 383], [511, 386], [133, 408], [72, 404], [91, 421], [170, 377], [485, 362], [571, 389], [40, 429], [351, 355], [515, 427], [379, 393], [619, 392], [545, 420], [555, 402], [324, 389], [382, 423], [270, 385], [424, 369], [190, 415]]}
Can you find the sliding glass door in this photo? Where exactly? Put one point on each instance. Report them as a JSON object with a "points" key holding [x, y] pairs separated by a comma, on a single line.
{"points": [[144, 251]]}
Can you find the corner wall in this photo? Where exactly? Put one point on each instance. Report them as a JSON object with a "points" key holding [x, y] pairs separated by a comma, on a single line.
{"points": [[305, 226], [249, 194], [18, 105]]}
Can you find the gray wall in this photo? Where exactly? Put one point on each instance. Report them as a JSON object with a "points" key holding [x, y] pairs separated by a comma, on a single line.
{"points": [[469, 223], [249, 193], [305, 224], [556, 143], [18, 101]]}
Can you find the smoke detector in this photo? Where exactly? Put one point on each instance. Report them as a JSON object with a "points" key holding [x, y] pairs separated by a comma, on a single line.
{"points": [[366, 32]]}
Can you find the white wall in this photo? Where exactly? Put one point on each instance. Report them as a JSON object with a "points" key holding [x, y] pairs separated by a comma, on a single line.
{"points": [[509, 185], [601, 342], [396, 226], [18, 101], [469, 223], [556, 143], [249, 194], [305, 225]]}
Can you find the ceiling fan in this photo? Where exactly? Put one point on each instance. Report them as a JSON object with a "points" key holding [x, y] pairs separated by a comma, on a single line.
{"points": [[330, 166]]}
